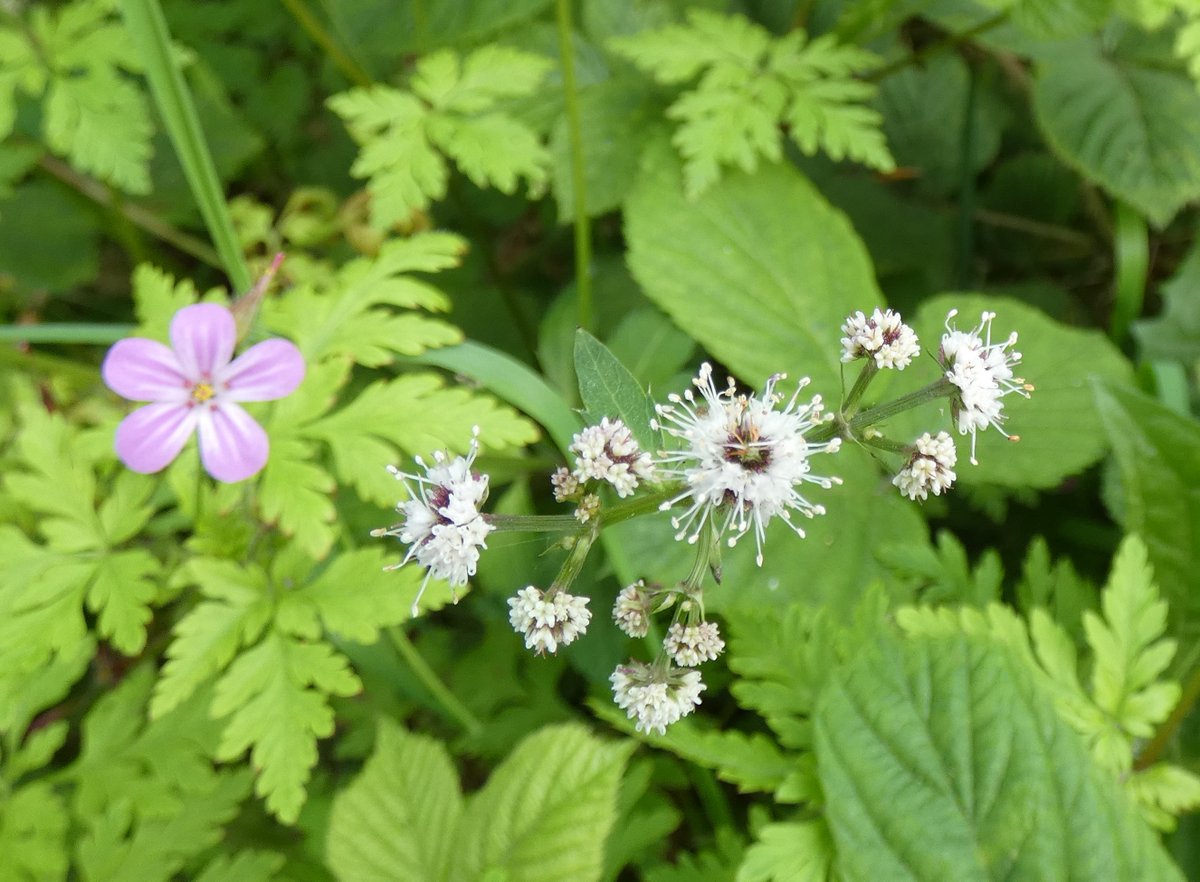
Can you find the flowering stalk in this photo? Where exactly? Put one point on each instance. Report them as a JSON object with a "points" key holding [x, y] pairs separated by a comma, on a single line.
{"points": [[739, 461]]}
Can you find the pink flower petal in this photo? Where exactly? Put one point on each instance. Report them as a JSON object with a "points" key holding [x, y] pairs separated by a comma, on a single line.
{"points": [[152, 436], [232, 445], [144, 370], [203, 336], [266, 371]]}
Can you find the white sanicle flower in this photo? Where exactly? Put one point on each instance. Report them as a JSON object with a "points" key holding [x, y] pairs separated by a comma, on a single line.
{"points": [[742, 458], [691, 645], [632, 609], [548, 622], [609, 452], [442, 524], [565, 484], [882, 336], [930, 467], [655, 696], [982, 372]]}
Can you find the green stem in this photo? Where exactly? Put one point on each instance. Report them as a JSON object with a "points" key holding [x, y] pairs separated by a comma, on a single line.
{"points": [[135, 214], [615, 514], [966, 177], [940, 388], [1131, 253], [865, 376], [510, 523], [147, 29], [888, 444], [429, 678], [583, 235], [87, 333], [573, 565], [716, 806], [348, 66], [950, 42], [1166, 732]]}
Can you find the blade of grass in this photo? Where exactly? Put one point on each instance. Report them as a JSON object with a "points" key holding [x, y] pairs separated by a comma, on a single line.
{"points": [[97, 334], [148, 30], [583, 232]]}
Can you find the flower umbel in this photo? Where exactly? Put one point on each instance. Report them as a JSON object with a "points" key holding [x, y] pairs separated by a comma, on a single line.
{"points": [[982, 371], [548, 621], [442, 523], [742, 458], [609, 452], [655, 695], [883, 337], [633, 608], [691, 645], [930, 467], [195, 386]]}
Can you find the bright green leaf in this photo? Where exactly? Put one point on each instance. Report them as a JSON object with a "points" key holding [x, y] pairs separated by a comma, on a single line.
{"points": [[1130, 127], [545, 812], [768, 243], [1157, 453], [608, 389], [789, 852], [941, 759], [397, 821], [276, 696]]}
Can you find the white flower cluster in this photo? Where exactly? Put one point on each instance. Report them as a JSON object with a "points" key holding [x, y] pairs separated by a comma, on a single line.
{"points": [[548, 622], [442, 524], [655, 695], [741, 456], [691, 645], [930, 468], [609, 452], [982, 371], [882, 336], [632, 610]]}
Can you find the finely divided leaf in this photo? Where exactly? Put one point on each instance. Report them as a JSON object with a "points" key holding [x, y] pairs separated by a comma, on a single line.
{"points": [[789, 852], [455, 108], [749, 84], [1131, 653], [33, 831], [276, 696], [398, 820], [101, 124], [207, 638]]}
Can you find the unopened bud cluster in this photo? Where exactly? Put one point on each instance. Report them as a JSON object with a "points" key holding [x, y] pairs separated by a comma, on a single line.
{"points": [[606, 453], [657, 694]]}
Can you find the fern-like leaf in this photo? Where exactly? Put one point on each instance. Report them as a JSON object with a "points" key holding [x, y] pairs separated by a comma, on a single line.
{"points": [[749, 85], [455, 110], [276, 696]]}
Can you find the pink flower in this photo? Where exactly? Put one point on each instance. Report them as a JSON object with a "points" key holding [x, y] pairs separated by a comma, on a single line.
{"points": [[194, 385]]}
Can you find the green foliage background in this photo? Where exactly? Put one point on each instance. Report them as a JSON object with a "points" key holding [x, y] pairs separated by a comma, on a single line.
{"points": [[221, 682]]}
